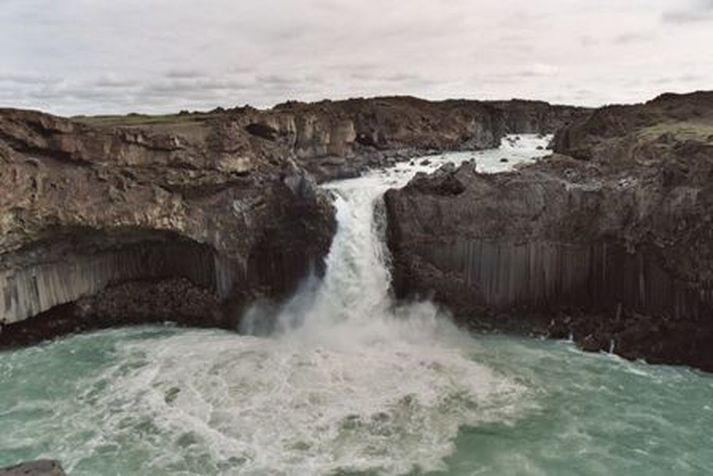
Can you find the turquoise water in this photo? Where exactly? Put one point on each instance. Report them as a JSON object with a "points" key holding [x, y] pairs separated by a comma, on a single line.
{"points": [[110, 403], [592, 414]]}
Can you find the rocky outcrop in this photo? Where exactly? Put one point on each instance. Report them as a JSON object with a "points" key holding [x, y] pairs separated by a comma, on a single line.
{"points": [[342, 138], [536, 117], [185, 222], [610, 240], [34, 468]]}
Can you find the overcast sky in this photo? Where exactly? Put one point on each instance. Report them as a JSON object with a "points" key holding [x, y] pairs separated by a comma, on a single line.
{"points": [[101, 56]]}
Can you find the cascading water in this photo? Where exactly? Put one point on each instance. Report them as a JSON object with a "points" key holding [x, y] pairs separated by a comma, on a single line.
{"points": [[342, 380], [356, 284], [355, 289]]}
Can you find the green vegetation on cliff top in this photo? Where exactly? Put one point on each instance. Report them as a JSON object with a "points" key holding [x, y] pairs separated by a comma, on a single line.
{"points": [[701, 130], [141, 119]]}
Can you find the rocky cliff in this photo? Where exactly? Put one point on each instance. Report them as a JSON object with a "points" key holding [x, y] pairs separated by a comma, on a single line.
{"points": [[122, 219], [342, 138], [188, 223], [337, 139], [610, 240]]}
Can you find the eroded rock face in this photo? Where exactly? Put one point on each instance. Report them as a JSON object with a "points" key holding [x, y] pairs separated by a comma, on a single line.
{"points": [[610, 239], [204, 221]]}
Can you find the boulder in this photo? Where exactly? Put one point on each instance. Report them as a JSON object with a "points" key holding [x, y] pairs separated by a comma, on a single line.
{"points": [[34, 468]]}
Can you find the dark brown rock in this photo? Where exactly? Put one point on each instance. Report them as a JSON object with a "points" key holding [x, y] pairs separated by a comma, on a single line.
{"points": [[360, 128], [536, 117], [618, 219], [204, 221], [198, 214]]}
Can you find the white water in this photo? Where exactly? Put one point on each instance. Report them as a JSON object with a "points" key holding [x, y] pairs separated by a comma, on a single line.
{"points": [[346, 380]]}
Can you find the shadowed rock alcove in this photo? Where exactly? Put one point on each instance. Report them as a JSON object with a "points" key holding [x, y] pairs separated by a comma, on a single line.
{"points": [[126, 277]]}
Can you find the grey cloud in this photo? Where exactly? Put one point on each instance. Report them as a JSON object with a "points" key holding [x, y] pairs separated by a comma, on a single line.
{"points": [[289, 85], [363, 76], [45, 93], [536, 71], [399, 78], [110, 82], [690, 78], [21, 78], [685, 79], [633, 37], [240, 69], [184, 74], [697, 11], [78, 91], [175, 87], [118, 92], [277, 79], [405, 77], [353, 66]]}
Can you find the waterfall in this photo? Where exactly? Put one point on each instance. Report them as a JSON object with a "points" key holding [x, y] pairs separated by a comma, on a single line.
{"points": [[353, 298], [354, 294]]}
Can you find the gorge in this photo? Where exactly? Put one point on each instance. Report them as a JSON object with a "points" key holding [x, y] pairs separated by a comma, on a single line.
{"points": [[206, 211], [217, 220]]}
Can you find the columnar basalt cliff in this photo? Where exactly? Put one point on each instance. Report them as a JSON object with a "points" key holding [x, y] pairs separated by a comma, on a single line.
{"points": [[609, 240]]}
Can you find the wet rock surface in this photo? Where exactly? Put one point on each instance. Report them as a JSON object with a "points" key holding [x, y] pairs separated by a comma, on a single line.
{"points": [[608, 241], [34, 468]]}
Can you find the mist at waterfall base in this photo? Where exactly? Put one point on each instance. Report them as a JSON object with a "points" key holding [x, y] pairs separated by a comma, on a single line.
{"points": [[343, 380]]}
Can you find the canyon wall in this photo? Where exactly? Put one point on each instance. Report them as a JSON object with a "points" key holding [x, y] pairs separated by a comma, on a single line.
{"points": [[609, 240], [339, 139]]}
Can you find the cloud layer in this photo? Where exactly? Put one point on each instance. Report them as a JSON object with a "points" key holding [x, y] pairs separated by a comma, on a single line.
{"points": [[97, 56]]}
